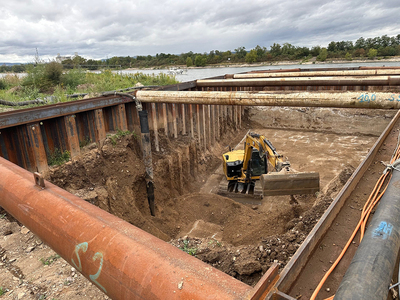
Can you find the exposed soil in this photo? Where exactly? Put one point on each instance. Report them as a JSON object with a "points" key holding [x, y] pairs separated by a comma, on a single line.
{"points": [[241, 240]]}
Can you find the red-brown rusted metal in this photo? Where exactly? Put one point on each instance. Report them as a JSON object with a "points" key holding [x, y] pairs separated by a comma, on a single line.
{"points": [[36, 142], [100, 132], [72, 135], [302, 81], [316, 73], [120, 259]]}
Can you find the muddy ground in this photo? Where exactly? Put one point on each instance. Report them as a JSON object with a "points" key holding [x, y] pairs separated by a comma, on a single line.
{"points": [[241, 240]]}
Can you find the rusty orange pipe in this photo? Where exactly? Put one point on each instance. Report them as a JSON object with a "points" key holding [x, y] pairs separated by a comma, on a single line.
{"points": [[121, 260]]}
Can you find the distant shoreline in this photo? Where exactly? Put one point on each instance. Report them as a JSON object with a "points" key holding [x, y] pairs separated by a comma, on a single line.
{"points": [[276, 63]]}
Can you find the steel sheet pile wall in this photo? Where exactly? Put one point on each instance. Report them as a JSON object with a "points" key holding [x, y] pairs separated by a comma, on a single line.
{"points": [[30, 144]]}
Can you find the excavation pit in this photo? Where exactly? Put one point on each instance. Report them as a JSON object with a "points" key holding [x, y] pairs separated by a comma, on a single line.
{"points": [[241, 240]]}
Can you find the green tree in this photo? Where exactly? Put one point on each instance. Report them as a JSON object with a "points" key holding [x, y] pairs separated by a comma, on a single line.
{"points": [[18, 68], [275, 50], [348, 56], [323, 54], [78, 60], [332, 46], [200, 61], [260, 52], [315, 50], [189, 62], [251, 56], [241, 52], [360, 43], [53, 72], [288, 49], [372, 53]]}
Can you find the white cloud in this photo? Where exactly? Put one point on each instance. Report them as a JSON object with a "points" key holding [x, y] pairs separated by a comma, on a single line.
{"points": [[97, 29]]}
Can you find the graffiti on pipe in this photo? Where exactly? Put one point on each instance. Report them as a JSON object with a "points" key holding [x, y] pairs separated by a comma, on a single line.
{"points": [[97, 256], [372, 97], [383, 231], [394, 97], [367, 98]]}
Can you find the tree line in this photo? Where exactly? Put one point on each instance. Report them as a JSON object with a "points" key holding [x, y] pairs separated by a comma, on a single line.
{"points": [[363, 48]]}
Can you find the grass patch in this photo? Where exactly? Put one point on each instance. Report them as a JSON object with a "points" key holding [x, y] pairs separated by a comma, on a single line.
{"points": [[48, 261], [58, 157], [45, 80], [120, 133], [2, 291], [86, 141], [187, 249]]}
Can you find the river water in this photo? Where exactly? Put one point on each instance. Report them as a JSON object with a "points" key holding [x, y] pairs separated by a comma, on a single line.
{"points": [[201, 73]]}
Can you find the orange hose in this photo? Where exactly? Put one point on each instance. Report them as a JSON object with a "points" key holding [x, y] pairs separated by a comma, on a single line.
{"points": [[369, 205], [365, 214]]}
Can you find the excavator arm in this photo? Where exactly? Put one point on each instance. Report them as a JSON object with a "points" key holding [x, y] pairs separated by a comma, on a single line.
{"points": [[256, 150]]}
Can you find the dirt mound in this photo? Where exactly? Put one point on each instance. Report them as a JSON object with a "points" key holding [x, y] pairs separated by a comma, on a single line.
{"points": [[249, 260], [112, 177]]}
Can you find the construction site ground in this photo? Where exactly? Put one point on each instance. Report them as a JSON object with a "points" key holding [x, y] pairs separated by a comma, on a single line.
{"points": [[242, 240]]}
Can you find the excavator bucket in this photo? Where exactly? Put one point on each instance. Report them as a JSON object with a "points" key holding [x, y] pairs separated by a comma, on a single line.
{"points": [[274, 184], [249, 195]]}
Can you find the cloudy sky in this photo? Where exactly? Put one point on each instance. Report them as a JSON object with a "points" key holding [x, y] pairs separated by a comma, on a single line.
{"points": [[100, 29]]}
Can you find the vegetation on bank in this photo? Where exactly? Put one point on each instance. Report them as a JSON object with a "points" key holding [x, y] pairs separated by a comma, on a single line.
{"points": [[45, 80], [368, 48]]}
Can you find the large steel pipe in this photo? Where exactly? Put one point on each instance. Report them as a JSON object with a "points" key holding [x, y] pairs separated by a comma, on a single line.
{"points": [[370, 272], [300, 81], [120, 259], [316, 73], [304, 99]]}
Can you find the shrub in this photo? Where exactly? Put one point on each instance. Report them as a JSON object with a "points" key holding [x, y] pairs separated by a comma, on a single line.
{"points": [[200, 61], [53, 72], [348, 56], [189, 62], [58, 157], [323, 54], [372, 53], [3, 84], [73, 78]]}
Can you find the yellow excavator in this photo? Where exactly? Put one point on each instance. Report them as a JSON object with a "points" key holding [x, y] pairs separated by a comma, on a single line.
{"points": [[258, 171]]}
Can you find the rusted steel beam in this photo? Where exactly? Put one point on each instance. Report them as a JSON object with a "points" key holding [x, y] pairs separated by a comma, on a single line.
{"points": [[72, 135], [174, 120], [120, 259], [121, 117], [373, 72], [155, 126], [100, 132], [198, 122], [23, 116], [300, 81], [297, 99], [191, 118], [36, 142]]}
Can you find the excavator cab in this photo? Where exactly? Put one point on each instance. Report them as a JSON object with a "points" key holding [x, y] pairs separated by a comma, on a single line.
{"points": [[258, 163]]}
